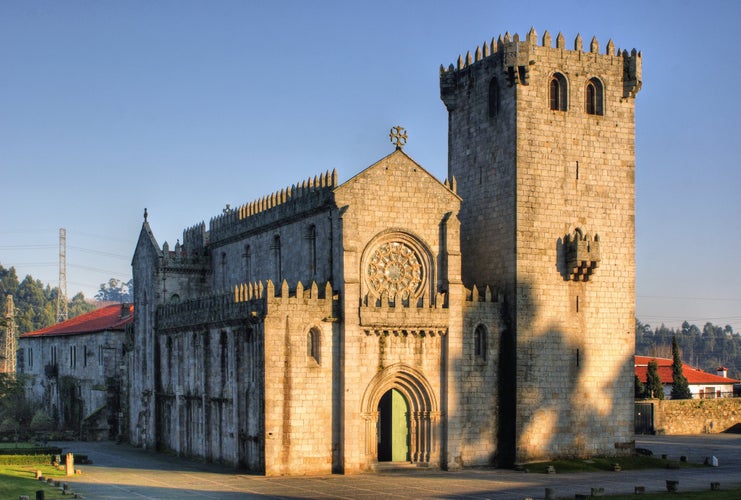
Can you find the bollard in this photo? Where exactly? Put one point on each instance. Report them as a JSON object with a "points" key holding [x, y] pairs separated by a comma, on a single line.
{"points": [[639, 490], [39, 494], [672, 485], [683, 458], [70, 464], [714, 486], [550, 494], [598, 492]]}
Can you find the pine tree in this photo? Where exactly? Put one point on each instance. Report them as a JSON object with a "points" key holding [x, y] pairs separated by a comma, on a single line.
{"points": [[680, 387], [654, 388], [639, 388]]}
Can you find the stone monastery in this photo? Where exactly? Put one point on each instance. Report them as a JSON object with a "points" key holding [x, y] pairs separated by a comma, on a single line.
{"points": [[486, 319]]}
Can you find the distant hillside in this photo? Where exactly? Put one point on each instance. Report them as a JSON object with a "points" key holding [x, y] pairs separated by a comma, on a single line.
{"points": [[35, 303], [707, 349]]}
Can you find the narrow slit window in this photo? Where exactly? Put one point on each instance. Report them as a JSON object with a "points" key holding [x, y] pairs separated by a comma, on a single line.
{"points": [[313, 345], [480, 343], [493, 98]]}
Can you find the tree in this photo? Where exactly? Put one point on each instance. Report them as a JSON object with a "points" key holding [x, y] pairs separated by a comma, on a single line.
{"points": [[115, 291], [15, 408], [79, 305], [654, 387], [639, 388], [680, 387]]}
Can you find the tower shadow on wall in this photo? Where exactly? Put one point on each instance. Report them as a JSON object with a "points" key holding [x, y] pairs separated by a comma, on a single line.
{"points": [[579, 404]]}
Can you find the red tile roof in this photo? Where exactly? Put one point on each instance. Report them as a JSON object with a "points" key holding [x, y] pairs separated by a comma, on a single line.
{"points": [[114, 317], [692, 374]]}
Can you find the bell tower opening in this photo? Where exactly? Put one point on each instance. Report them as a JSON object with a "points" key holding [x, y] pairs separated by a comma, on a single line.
{"points": [[393, 428]]}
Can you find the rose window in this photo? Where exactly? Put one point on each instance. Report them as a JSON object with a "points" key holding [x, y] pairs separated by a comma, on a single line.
{"points": [[395, 268]]}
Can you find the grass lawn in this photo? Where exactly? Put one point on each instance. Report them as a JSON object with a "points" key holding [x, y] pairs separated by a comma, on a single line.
{"points": [[634, 462], [16, 480], [684, 495]]}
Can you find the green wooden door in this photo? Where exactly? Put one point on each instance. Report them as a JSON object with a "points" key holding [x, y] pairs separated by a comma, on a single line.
{"points": [[393, 428], [399, 427]]}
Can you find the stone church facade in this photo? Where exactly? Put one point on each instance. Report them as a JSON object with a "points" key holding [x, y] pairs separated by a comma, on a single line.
{"points": [[396, 318]]}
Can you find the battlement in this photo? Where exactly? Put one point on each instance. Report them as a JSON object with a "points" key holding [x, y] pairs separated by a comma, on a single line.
{"points": [[473, 295], [251, 301], [582, 255], [288, 202], [247, 292], [183, 258], [219, 307], [394, 315], [516, 56], [195, 238]]}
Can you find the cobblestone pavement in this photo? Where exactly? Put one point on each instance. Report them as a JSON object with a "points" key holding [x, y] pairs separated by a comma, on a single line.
{"points": [[120, 471]]}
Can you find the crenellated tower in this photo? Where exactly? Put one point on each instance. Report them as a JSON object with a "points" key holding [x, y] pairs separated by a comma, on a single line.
{"points": [[542, 146]]}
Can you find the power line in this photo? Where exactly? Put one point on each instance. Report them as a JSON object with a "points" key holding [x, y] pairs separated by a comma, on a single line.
{"points": [[101, 252], [667, 297], [25, 247]]}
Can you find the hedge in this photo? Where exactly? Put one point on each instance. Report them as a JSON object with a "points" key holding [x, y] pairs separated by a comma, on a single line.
{"points": [[39, 450], [25, 459]]}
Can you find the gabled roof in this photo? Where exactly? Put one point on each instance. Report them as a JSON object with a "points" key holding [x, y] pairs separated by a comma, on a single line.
{"points": [[692, 374], [114, 317], [398, 157], [146, 240]]}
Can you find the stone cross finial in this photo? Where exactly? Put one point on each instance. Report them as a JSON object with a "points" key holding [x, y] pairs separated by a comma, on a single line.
{"points": [[398, 136], [145, 215]]}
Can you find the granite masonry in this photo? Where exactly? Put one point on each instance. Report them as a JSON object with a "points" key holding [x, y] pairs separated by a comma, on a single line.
{"points": [[485, 319]]}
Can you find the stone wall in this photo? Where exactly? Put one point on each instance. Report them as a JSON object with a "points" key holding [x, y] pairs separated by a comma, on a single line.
{"points": [[696, 416], [73, 377], [531, 178]]}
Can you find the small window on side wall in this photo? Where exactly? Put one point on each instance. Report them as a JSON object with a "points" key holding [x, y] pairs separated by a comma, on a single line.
{"points": [[313, 345], [595, 97], [479, 346], [558, 92]]}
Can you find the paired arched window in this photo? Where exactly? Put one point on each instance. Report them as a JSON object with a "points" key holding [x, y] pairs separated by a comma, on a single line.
{"points": [[493, 98], [479, 345], [314, 344], [594, 97], [558, 92]]}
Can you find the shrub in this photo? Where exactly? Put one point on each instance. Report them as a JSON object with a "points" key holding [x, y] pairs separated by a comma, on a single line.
{"points": [[41, 421]]}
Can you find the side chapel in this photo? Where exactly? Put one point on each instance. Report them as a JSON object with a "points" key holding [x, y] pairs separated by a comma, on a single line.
{"points": [[486, 319]]}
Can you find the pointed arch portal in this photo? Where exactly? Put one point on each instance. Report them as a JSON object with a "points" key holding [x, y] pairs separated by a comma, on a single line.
{"points": [[401, 417]]}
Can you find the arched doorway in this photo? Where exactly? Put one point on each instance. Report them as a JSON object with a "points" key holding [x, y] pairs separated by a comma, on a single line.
{"points": [[393, 427], [416, 409]]}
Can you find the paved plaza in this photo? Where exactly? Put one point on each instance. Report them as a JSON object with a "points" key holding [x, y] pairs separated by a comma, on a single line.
{"points": [[120, 471]]}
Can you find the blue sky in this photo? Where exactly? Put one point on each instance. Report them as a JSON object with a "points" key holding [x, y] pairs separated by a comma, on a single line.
{"points": [[184, 106]]}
